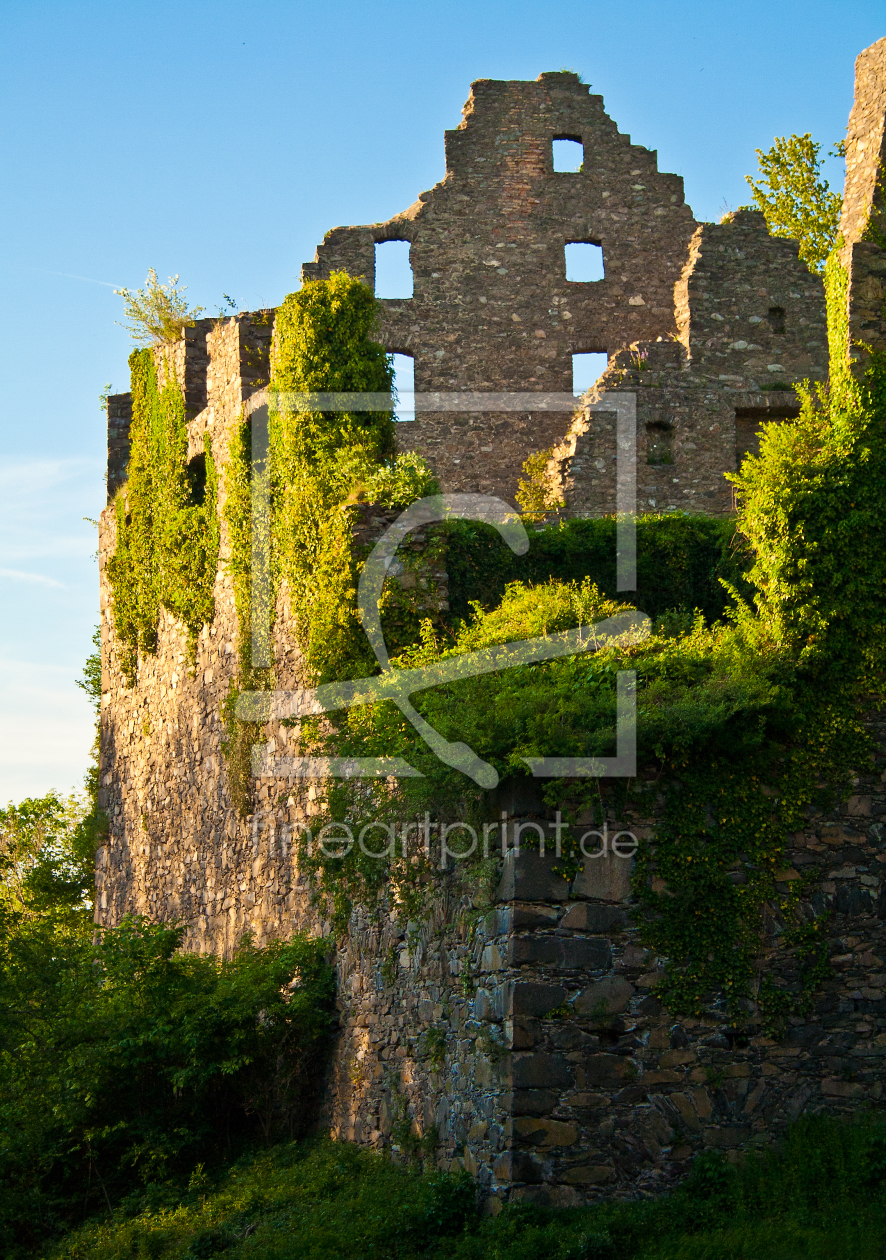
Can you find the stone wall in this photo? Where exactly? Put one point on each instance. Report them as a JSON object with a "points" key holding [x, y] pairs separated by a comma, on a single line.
{"points": [[863, 219], [750, 316], [119, 421], [512, 1027]]}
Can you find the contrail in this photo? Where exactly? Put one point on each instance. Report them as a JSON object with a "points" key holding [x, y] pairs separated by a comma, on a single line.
{"points": [[88, 279], [17, 575]]}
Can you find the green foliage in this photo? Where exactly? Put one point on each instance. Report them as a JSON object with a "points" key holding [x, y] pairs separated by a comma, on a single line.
{"points": [[681, 562], [400, 481], [319, 466], [91, 684], [819, 1196], [322, 344], [167, 524], [795, 199], [157, 313], [812, 512], [537, 496], [125, 1061], [47, 860], [740, 720]]}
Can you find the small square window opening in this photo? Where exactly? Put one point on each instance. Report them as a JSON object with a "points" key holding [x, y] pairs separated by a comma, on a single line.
{"points": [[586, 371], [584, 262], [775, 319], [569, 154]]}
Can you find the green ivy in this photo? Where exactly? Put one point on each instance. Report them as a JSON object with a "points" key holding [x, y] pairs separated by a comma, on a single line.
{"points": [[319, 467], [167, 523]]}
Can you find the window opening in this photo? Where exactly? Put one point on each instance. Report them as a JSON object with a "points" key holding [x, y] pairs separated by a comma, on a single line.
{"points": [[569, 154], [750, 426], [393, 270], [404, 384], [587, 370], [775, 319], [584, 262], [659, 443], [197, 480]]}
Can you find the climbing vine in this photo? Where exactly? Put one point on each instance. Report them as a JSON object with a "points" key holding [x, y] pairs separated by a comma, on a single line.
{"points": [[318, 467], [167, 523]]}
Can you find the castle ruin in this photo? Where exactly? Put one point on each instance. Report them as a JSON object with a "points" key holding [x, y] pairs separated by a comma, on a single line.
{"points": [[703, 322]]}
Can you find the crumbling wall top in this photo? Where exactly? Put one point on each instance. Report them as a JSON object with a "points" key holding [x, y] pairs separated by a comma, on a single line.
{"points": [[866, 146]]}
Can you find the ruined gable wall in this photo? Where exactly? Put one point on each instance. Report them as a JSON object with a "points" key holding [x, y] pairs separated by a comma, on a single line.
{"points": [[492, 309]]}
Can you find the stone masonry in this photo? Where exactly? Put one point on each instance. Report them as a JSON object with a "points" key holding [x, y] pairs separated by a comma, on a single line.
{"points": [[513, 1027]]}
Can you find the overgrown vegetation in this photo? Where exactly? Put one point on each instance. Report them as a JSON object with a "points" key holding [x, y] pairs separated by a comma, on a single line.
{"points": [[819, 1197], [318, 467], [745, 709], [796, 199], [126, 1063], [158, 313], [167, 520]]}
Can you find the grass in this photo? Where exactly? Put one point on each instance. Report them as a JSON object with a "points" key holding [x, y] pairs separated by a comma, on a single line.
{"points": [[820, 1196]]}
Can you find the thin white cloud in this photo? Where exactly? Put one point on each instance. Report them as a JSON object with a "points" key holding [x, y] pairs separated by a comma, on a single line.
{"points": [[16, 575]]}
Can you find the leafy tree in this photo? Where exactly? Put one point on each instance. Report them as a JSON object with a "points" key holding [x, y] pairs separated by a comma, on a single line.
{"points": [[795, 198], [47, 856], [537, 494]]}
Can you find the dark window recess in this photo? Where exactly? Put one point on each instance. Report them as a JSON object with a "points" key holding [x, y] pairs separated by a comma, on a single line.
{"points": [[659, 443], [775, 319], [749, 428], [196, 480], [568, 154]]}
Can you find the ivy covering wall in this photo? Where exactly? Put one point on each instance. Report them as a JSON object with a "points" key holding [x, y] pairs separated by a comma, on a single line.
{"points": [[317, 468], [167, 520]]}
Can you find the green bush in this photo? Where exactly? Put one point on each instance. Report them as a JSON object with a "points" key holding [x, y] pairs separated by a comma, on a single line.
{"points": [[125, 1061], [167, 525], [680, 562]]}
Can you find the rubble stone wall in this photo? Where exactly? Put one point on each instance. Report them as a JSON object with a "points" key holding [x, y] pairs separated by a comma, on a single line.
{"points": [[751, 317]]}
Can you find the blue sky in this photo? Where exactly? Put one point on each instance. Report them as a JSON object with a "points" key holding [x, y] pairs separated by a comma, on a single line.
{"points": [[221, 141]]}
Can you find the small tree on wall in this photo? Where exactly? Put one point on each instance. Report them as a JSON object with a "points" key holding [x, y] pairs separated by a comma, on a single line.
{"points": [[795, 198]]}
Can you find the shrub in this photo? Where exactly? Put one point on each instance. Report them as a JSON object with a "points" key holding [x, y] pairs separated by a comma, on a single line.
{"points": [[126, 1061]]}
